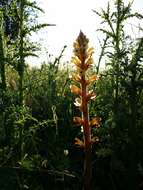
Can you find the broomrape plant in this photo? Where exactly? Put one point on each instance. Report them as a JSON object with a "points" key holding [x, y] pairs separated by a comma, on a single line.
{"points": [[83, 60]]}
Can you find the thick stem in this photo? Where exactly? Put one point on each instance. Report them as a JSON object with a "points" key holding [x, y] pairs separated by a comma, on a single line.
{"points": [[87, 137]]}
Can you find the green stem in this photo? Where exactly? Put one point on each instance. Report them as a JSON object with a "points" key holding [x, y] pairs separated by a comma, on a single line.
{"points": [[21, 61], [2, 58]]}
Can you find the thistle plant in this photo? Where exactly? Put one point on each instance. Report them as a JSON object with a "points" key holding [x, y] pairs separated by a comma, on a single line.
{"points": [[83, 60]]}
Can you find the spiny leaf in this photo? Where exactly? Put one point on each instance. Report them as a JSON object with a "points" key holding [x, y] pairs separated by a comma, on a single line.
{"points": [[30, 54], [33, 5], [38, 27], [108, 33], [100, 15]]}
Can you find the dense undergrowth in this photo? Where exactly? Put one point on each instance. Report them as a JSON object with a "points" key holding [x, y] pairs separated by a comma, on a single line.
{"points": [[37, 132]]}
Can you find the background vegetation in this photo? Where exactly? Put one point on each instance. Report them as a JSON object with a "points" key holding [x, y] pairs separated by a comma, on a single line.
{"points": [[37, 132]]}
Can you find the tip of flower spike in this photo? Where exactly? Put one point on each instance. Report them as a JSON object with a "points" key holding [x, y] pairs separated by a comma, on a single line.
{"points": [[81, 45], [82, 38]]}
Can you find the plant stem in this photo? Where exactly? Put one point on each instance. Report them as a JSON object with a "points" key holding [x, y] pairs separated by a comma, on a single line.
{"points": [[87, 137], [21, 61]]}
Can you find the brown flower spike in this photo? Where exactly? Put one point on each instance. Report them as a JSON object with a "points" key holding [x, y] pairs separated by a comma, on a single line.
{"points": [[83, 60]]}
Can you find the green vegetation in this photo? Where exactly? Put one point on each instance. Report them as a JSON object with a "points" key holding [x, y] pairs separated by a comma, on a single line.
{"points": [[38, 137]]}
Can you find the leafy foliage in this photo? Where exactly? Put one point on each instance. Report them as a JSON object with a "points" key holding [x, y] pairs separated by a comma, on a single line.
{"points": [[37, 132]]}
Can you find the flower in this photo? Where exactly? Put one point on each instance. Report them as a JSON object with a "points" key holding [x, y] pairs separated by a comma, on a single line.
{"points": [[66, 152], [78, 102], [75, 78], [90, 51], [91, 95], [91, 79], [79, 143], [76, 61], [95, 140], [75, 89], [78, 120], [96, 121]]}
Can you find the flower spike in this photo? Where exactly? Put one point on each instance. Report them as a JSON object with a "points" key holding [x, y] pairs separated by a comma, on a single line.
{"points": [[83, 60]]}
